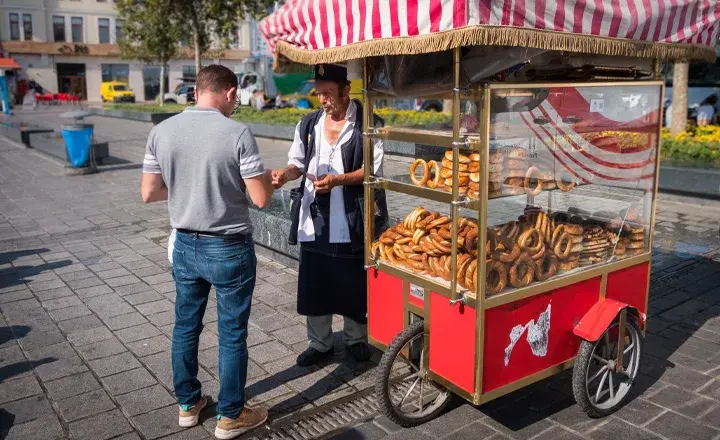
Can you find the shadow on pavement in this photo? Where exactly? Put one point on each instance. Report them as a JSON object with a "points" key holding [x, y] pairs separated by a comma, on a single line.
{"points": [[17, 368], [13, 332], [7, 420], [13, 276]]}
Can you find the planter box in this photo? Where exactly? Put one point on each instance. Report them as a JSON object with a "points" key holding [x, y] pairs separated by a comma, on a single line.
{"points": [[699, 182], [21, 132], [272, 225], [49, 143], [155, 118]]}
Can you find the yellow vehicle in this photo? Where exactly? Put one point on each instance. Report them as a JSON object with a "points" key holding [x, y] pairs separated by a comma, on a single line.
{"points": [[116, 91], [306, 97]]}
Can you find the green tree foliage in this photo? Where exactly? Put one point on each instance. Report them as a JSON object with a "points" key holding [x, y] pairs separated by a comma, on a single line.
{"points": [[151, 33]]}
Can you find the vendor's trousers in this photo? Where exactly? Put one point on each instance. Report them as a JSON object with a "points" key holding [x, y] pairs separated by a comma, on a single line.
{"points": [[320, 334]]}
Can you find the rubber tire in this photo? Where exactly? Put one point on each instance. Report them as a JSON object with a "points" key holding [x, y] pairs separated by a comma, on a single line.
{"points": [[579, 371], [383, 374]]}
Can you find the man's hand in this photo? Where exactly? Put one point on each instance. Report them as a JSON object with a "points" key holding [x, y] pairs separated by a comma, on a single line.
{"points": [[279, 178], [325, 183]]}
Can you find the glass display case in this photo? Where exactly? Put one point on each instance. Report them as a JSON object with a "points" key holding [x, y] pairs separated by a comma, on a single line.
{"points": [[520, 185]]}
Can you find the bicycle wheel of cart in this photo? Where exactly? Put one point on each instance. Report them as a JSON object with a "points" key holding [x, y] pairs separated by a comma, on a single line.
{"points": [[406, 396], [598, 388]]}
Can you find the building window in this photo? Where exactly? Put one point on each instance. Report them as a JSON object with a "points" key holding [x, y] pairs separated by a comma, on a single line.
{"points": [[115, 72], [188, 73], [59, 28], [76, 24], [14, 27], [104, 30], [27, 27], [119, 29]]}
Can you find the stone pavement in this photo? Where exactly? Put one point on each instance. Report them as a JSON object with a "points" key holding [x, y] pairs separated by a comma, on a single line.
{"points": [[86, 311]]}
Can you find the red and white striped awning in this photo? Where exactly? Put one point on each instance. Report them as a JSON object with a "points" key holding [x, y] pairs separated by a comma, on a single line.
{"points": [[326, 31]]}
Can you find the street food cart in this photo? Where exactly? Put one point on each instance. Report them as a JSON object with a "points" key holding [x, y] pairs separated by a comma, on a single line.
{"points": [[523, 216]]}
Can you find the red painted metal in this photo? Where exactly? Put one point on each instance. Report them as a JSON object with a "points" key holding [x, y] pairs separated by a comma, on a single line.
{"points": [[452, 342], [598, 319], [566, 306], [630, 286], [385, 306]]}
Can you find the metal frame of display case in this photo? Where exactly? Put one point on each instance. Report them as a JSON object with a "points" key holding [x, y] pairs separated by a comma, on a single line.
{"points": [[480, 303]]}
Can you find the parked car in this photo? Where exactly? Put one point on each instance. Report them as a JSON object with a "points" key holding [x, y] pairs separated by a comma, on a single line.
{"points": [[184, 94], [116, 91]]}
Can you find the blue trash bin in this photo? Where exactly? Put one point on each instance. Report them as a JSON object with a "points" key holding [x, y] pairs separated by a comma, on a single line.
{"points": [[78, 139]]}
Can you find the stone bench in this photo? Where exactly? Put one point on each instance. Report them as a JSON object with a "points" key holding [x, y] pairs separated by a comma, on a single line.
{"points": [[20, 132]]}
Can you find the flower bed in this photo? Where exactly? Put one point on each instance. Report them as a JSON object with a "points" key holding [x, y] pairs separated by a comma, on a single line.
{"points": [[697, 146]]}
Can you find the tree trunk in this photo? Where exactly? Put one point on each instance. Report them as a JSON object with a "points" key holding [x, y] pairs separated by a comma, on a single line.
{"points": [[196, 43], [162, 84], [679, 99]]}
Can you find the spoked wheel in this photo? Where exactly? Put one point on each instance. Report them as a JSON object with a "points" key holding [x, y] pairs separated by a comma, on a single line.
{"points": [[405, 394], [598, 387]]}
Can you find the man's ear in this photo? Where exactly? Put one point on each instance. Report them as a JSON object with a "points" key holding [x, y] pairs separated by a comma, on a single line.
{"points": [[231, 94]]}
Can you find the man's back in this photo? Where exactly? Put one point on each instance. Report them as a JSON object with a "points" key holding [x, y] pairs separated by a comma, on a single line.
{"points": [[203, 157]]}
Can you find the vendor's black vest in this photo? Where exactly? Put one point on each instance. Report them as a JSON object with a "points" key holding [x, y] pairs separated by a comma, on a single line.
{"points": [[352, 157]]}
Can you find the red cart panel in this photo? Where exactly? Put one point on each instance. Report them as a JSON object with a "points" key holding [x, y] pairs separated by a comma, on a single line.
{"points": [[452, 342], [629, 286], [533, 334], [385, 306]]}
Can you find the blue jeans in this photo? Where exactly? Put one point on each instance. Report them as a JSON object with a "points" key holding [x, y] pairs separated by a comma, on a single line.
{"points": [[229, 264]]}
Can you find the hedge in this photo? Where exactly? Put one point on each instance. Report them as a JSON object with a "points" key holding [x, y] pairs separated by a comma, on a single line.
{"points": [[700, 145]]}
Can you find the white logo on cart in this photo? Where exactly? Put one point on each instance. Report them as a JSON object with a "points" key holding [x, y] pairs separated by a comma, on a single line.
{"points": [[537, 335], [597, 105], [417, 291]]}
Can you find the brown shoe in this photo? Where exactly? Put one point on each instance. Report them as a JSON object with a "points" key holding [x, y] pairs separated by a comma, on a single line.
{"points": [[189, 418], [248, 419]]}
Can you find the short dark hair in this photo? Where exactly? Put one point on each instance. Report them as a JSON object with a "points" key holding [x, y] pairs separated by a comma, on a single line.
{"points": [[216, 79]]}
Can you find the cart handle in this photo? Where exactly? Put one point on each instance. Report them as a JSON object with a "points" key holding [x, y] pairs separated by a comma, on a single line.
{"points": [[462, 300]]}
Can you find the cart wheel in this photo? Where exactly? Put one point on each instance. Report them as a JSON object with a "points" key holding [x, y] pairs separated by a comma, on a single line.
{"points": [[406, 396], [598, 389]]}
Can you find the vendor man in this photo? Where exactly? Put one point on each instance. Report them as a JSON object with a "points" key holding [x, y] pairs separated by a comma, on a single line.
{"points": [[330, 230]]}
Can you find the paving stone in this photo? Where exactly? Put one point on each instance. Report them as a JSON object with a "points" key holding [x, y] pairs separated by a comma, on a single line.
{"points": [[16, 295], [45, 428], [155, 307], [71, 386], [128, 381], [196, 433], [101, 349], [74, 276], [88, 404], [69, 313], [145, 400], [676, 427], [10, 354], [122, 281], [712, 390], [165, 287], [89, 336], [24, 410], [149, 268], [39, 286], [264, 388], [616, 429], [39, 339], [132, 288], [18, 389], [91, 292], [60, 368], [158, 423], [408, 434], [684, 402], [100, 427], [132, 334], [87, 282], [268, 352], [143, 297], [164, 318], [712, 418], [58, 351], [60, 303], [124, 321], [150, 346], [291, 335], [113, 273], [114, 364], [639, 411], [369, 431], [158, 279], [80, 323]]}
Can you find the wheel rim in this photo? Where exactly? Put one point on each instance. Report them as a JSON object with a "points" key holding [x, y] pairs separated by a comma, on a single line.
{"points": [[411, 393], [606, 388]]}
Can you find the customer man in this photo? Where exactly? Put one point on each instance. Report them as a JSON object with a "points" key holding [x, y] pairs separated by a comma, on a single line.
{"points": [[332, 278], [204, 163]]}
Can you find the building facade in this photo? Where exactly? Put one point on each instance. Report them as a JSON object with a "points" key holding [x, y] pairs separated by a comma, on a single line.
{"points": [[71, 46]]}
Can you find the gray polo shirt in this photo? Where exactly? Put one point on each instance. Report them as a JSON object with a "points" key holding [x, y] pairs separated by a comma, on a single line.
{"points": [[203, 157]]}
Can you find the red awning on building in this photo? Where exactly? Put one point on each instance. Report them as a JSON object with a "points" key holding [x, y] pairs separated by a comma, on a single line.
{"points": [[9, 64]]}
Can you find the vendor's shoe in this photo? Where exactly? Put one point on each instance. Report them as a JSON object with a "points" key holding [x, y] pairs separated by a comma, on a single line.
{"points": [[189, 416], [312, 356], [248, 419], [360, 351]]}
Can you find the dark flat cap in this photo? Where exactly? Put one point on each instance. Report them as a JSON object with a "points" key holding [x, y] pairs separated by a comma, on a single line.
{"points": [[331, 72]]}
